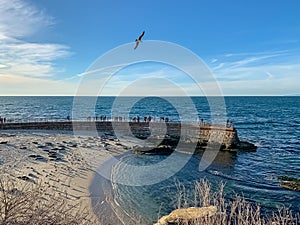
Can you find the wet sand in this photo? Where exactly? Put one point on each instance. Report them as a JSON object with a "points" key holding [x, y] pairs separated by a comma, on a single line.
{"points": [[103, 198], [66, 165]]}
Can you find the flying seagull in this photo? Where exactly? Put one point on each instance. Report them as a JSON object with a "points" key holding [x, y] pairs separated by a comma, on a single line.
{"points": [[137, 41]]}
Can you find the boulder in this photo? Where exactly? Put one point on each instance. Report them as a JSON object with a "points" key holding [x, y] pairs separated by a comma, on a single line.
{"points": [[187, 215], [290, 183], [246, 146]]}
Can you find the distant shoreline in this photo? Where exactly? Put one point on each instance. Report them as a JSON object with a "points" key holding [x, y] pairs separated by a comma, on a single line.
{"points": [[286, 95]]}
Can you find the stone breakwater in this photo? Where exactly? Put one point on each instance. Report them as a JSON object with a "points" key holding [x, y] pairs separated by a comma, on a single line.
{"points": [[169, 134]]}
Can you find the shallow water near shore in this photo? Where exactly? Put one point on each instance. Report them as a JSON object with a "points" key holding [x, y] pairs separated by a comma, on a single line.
{"points": [[152, 201]]}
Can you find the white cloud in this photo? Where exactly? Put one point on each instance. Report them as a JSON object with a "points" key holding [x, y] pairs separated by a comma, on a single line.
{"points": [[270, 75], [245, 61], [19, 58], [213, 60], [281, 86], [251, 66], [248, 54], [19, 18], [12, 85], [2, 66], [248, 75], [218, 66], [30, 59], [260, 73]]}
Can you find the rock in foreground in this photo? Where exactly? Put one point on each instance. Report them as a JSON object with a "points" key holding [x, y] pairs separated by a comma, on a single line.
{"points": [[187, 215], [290, 183]]}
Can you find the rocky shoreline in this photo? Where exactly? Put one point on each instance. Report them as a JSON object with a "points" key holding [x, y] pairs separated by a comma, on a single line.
{"points": [[168, 145]]}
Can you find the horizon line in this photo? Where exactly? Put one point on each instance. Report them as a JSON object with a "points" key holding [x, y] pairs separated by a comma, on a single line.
{"points": [[287, 95]]}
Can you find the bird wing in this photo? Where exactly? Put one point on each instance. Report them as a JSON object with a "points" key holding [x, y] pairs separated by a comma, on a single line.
{"points": [[136, 44], [142, 34]]}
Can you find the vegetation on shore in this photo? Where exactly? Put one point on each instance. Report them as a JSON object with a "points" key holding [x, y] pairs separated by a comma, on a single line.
{"points": [[23, 203], [235, 212]]}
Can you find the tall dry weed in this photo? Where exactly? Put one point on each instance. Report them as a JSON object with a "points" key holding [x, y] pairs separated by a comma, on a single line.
{"points": [[235, 212], [23, 203]]}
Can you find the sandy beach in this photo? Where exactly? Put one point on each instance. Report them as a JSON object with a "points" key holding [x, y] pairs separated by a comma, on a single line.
{"points": [[61, 162]]}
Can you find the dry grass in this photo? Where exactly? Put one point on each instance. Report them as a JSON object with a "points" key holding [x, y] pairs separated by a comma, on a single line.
{"points": [[23, 203], [236, 212]]}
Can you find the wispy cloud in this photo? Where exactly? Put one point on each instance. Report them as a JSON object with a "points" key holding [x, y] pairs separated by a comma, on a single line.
{"points": [[241, 60], [18, 21], [19, 18], [30, 59], [272, 73], [15, 85], [248, 54], [243, 66], [258, 73], [213, 60]]}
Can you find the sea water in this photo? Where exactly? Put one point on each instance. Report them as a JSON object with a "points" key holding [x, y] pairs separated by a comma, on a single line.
{"points": [[271, 123]]}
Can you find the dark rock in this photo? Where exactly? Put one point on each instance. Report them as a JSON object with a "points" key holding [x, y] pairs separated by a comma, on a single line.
{"points": [[160, 150], [73, 145], [52, 155], [3, 142], [49, 143], [32, 175], [25, 178], [37, 157], [16, 192], [290, 183], [246, 146]]}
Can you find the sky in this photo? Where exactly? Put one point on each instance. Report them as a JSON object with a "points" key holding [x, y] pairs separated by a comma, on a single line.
{"points": [[251, 47]]}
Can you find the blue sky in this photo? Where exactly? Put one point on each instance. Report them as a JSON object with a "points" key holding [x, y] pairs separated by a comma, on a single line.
{"points": [[251, 47]]}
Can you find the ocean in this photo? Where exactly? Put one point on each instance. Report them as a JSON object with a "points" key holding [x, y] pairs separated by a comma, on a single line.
{"points": [[271, 123]]}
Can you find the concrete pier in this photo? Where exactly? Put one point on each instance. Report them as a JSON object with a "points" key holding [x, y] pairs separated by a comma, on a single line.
{"points": [[227, 137]]}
